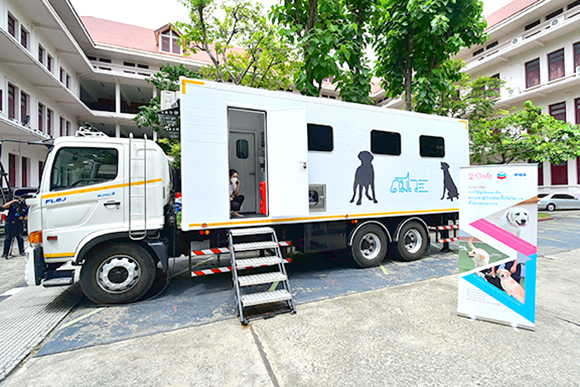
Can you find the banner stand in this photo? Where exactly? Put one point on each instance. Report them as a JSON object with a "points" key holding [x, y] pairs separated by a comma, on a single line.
{"points": [[498, 244]]}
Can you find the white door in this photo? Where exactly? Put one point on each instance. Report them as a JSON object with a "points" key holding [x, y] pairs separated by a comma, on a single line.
{"points": [[85, 195], [243, 160], [287, 162]]}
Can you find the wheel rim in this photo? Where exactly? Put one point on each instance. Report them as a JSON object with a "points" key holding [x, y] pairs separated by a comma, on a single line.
{"points": [[551, 207], [370, 246], [413, 241], [118, 274]]}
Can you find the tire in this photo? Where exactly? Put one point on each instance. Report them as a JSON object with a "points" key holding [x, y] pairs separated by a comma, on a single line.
{"points": [[118, 274], [551, 207], [369, 246], [413, 242]]}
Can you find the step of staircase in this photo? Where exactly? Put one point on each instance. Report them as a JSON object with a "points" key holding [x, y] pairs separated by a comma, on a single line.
{"points": [[257, 262], [255, 246], [251, 231], [265, 297], [264, 278]]}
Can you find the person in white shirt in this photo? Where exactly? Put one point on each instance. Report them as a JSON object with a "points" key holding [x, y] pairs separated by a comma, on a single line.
{"points": [[236, 199]]}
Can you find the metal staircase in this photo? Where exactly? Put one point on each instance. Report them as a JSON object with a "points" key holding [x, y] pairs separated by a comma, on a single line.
{"points": [[136, 232], [244, 284]]}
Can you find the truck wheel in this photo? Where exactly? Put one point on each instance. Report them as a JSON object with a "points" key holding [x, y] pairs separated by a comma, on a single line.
{"points": [[118, 274], [551, 207], [369, 246], [413, 242]]}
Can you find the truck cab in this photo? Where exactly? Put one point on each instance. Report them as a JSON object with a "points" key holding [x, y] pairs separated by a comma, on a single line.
{"points": [[102, 203]]}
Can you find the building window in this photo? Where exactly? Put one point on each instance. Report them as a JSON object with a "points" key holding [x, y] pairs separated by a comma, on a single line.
{"points": [[143, 66], [129, 64], [24, 37], [170, 42], [41, 53], [572, 5], [431, 146], [476, 53], [532, 25], [68, 81], [105, 60], [556, 65], [559, 173], [577, 105], [62, 127], [320, 138], [41, 117], [554, 14], [12, 169], [541, 174], [25, 171], [532, 73], [576, 56], [68, 128], [12, 26], [385, 143], [558, 111], [49, 121], [62, 75], [492, 45], [496, 89], [11, 102], [49, 61], [24, 112]]}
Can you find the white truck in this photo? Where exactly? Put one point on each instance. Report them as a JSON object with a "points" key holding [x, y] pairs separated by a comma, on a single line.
{"points": [[323, 174]]}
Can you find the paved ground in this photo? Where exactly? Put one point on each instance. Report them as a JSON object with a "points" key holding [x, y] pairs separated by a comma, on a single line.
{"points": [[11, 270], [403, 335]]}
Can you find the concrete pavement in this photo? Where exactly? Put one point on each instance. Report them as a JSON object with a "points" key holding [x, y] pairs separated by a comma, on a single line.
{"points": [[403, 335]]}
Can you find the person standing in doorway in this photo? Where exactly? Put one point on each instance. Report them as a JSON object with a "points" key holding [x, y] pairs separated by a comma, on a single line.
{"points": [[17, 214], [236, 199]]}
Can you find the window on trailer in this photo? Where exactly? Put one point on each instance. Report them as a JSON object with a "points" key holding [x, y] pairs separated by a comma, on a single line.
{"points": [[320, 138], [431, 146], [385, 143]]}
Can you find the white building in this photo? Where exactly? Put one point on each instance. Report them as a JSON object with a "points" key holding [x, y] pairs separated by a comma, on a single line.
{"points": [[535, 47]]}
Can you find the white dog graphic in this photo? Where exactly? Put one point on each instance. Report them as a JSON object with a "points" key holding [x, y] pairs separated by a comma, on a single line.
{"points": [[514, 220], [480, 257], [511, 286]]}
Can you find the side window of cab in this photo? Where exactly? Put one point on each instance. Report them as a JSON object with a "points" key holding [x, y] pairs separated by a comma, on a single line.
{"points": [[80, 167]]}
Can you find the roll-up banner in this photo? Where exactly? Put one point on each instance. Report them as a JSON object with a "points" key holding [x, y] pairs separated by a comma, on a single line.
{"points": [[498, 217]]}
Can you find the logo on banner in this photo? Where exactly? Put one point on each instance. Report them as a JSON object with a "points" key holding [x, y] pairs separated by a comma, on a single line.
{"points": [[480, 176], [501, 175], [520, 175]]}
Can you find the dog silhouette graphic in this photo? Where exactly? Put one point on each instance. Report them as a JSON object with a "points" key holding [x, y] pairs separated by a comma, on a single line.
{"points": [[364, 177], [448, 184]]}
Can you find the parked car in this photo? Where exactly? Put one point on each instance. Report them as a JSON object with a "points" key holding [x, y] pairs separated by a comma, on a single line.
{"points": [[558, 201]]}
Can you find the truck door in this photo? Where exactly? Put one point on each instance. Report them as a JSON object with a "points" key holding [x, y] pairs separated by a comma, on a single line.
{"points": [[287, 162], [85, 195]]}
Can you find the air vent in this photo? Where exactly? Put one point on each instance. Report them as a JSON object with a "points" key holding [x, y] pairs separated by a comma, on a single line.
{"points": [[516, 40], [317, 197]]}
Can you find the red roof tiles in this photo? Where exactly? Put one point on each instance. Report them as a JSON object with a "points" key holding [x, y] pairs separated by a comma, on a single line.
{"points": [[508, 11]]}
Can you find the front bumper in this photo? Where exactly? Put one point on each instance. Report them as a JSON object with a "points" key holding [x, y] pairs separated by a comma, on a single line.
{"points": [[35, 266]]}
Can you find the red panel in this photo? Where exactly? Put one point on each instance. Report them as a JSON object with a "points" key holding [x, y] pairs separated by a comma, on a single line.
{"points": [[25, 172], [263, 199], [559, 174], [556, 65], [533, 73], [541, 174], [12, 169]]}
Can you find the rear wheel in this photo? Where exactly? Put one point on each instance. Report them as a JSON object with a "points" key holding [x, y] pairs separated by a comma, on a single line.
{"points": [[369, 246], [413, 241], [551, 207], [118, 274]]}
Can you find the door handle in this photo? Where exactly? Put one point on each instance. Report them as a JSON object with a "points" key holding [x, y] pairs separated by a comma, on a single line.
{"points": [[107, 204]]}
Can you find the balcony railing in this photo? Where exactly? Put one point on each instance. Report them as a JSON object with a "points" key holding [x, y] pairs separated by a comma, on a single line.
{"points": [[517, 41], [120, 69]]}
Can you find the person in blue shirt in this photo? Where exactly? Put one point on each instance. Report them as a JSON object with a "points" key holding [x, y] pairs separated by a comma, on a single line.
{"points": [[17, 214]]}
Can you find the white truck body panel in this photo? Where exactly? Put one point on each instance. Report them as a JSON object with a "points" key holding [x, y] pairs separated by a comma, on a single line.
{"points": [[405, 185]]}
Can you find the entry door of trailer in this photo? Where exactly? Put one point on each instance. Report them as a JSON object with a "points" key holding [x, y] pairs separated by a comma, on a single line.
{"points": [[287, 162]]}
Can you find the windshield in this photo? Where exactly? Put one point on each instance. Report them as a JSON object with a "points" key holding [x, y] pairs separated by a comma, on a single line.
{"points": [[77, 167]]}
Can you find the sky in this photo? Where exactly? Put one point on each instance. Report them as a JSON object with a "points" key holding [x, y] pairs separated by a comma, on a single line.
{"points": [[151, 14]]}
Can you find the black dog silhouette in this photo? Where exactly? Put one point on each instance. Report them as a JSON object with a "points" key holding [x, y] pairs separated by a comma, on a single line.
{"points": [[364, 177], [448, 183]]}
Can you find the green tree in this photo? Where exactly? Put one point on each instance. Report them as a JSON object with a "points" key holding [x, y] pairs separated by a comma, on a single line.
{"points": [[522, 135], [243, 47], [414, 41], [333, 37]]}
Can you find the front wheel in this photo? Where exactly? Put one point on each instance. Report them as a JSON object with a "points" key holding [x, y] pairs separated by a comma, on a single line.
{"points": [[369, 246], [413, 241], [118, 274], [551, 207]]}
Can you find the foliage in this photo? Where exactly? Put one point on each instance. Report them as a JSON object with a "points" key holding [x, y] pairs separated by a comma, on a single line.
{"points": [[333, 36], [414, 43], [522, 135], [166, 79], [244, 48], [172, 148]]}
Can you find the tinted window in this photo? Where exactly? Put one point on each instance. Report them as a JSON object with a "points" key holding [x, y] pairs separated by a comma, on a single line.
{"points": [[242, 149], [320, 138], [385, 143], [431, 146], [79, 167]]}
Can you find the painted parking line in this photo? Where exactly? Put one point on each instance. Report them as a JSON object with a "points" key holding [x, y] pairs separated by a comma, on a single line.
{"points": [[12, 292], [76, 320], [384, 270], [274, 286]]}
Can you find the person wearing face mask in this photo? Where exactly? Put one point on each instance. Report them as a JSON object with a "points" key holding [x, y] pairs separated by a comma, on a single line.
{"points": [[236, 199]]}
